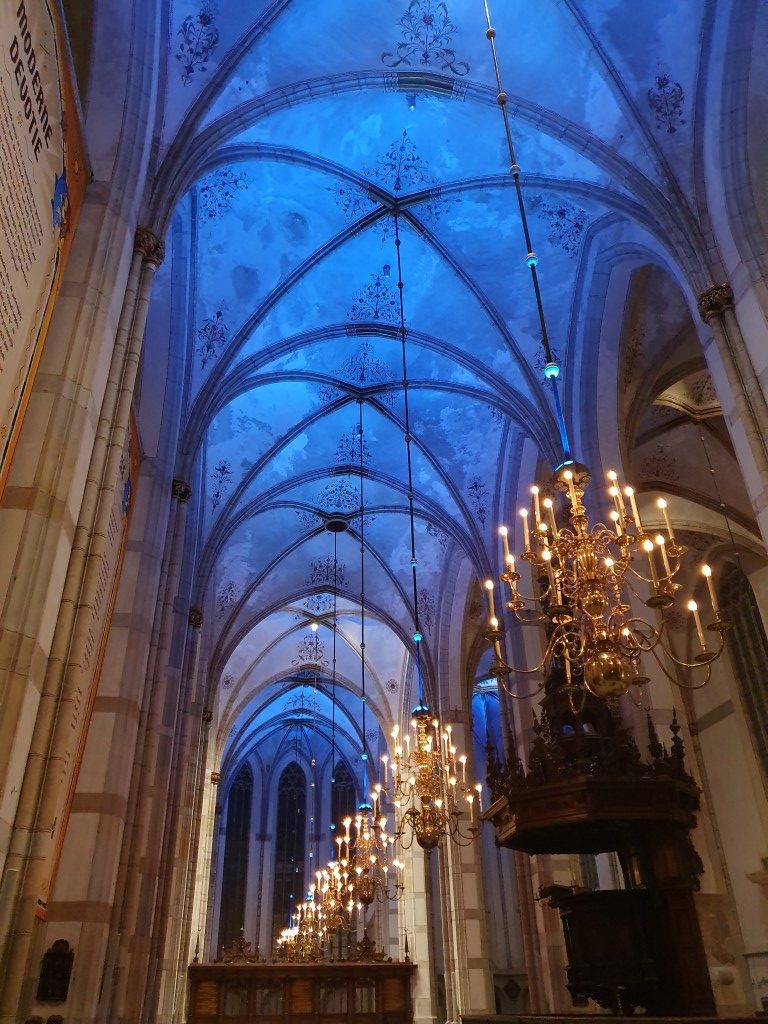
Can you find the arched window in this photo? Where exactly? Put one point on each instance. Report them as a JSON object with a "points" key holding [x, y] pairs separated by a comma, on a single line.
{"points": [[748, 647], [343, 803], [235, 873], [289, 845]]}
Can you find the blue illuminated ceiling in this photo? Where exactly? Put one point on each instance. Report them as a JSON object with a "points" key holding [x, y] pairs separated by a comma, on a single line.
{"points": [[293, 130]]}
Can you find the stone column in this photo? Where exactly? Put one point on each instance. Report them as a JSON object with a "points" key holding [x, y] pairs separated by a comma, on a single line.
{"points": [[70, 677], [152, 793], [747, 416], [416, 917], [170, 934], [203, 880], [468, 979]]}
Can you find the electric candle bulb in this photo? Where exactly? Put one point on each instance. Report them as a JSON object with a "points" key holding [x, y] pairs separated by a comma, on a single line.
{"points": [[694, 609], [706, 572], [648, 548], [615, 492], [526, 534], [571, 489], [489, 588], [616, 518], [633, 504], [536, 507], [662, 506], [314, 627], [663, 549], [551, 514], [504, 534]]}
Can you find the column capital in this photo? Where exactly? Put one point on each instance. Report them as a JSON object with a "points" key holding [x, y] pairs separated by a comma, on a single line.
{"points": [[714, 301], [207, 716], [195, 617], [181, 490], [148, 245], [215, 778]]}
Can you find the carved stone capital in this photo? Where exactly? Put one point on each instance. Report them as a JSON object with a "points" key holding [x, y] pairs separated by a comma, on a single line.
{"points": [[195, 618], [215, 777], [714, 301], [207, 716], [149, 246], [181, 490]]}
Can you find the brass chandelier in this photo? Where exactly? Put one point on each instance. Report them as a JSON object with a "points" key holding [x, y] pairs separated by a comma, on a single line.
{"points": [[367, 856], [334, 889], [426, 778], [304, 939], [429, 784], [584, 578]]}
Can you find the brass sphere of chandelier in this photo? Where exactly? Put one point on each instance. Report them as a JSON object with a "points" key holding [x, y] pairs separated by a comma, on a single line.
{"points": [[584, 579]]}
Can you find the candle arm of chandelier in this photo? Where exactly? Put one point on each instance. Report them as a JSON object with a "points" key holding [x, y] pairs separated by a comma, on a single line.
{"points": [[705, 658], [649, 579], [674, 678], [520, 696], [520, 601], [505, 669]]}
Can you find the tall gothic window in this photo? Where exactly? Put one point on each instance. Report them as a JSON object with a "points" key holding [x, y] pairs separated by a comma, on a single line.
{"points": [[235, 873], [343, 802], [289, 845], [748, 647]]}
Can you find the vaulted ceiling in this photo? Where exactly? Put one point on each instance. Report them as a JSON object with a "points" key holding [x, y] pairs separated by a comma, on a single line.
{"points": [[292, 132]]}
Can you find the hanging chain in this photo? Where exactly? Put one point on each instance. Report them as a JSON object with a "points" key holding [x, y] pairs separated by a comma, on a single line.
{"points": [[408, 438], [551, 369], [362, 599]]}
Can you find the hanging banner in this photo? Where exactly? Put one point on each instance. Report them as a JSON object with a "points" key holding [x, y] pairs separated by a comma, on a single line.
{"points": [[42, 184]]}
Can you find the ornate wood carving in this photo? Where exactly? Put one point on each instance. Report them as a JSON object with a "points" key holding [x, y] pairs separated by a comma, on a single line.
{"points": [[587, 789]]}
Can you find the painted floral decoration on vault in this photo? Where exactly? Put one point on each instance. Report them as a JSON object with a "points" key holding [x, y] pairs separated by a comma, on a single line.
{"points": [[361, 370], [322, 572], [566, 223], [212, 336], [310, 650], [221, 478], [348, 449], [400, 169], [426, 32], [219, 189], [199, 37], [666, 100], [375, 301]]}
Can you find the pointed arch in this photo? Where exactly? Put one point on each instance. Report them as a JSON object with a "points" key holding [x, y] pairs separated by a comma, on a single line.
{"points": [[290, 845], [236, 842]]}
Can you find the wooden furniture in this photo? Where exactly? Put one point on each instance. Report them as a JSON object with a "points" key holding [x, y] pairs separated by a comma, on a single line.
{"points": [[588, 790], [300, 993]]}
